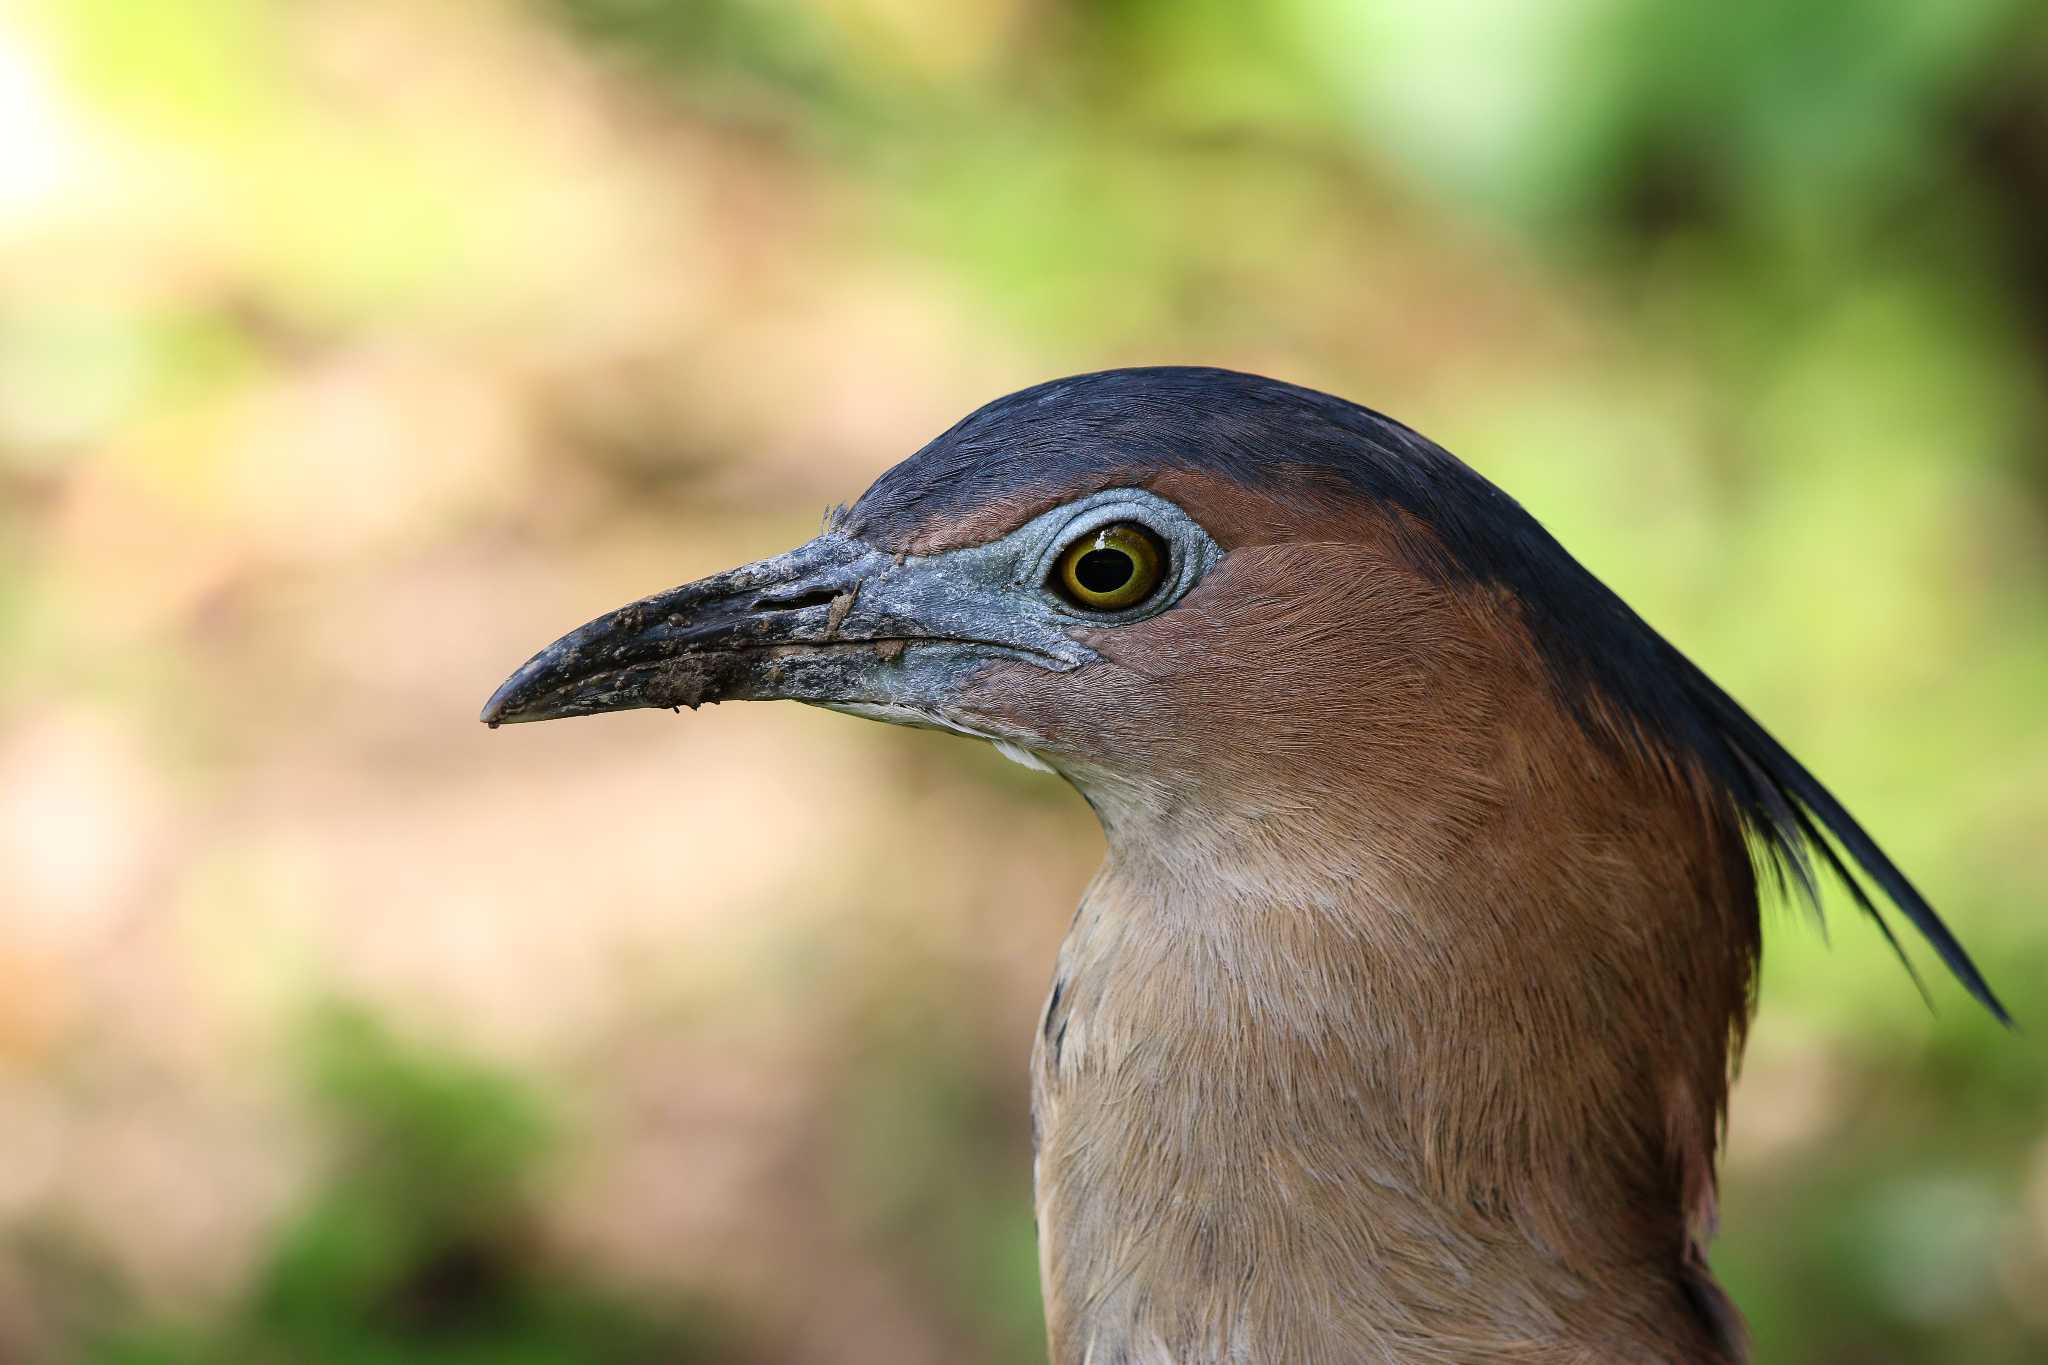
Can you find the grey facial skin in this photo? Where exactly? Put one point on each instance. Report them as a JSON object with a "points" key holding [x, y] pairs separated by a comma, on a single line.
{"points": [[836, 622]]}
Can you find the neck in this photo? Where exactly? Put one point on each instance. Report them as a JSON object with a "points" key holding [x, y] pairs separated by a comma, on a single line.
{"points": [[1318, 1111]]}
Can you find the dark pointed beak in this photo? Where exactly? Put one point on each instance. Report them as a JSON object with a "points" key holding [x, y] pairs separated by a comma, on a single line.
{"points": [[834, 622]]}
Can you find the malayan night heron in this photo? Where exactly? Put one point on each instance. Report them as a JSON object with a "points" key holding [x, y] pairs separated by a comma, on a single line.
{"points": [[1397, 1025]]}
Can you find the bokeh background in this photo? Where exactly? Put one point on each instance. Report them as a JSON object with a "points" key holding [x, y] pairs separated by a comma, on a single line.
{"points": [[352, 349]]}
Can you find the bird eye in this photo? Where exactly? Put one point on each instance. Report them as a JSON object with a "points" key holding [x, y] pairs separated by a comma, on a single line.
{"points": [[1111, 568]]}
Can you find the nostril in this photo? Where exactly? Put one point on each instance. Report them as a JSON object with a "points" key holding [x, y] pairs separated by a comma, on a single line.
{"points": [[822, 597]]}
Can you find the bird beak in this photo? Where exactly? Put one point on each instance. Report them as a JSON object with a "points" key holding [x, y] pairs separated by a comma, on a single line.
{"points": [[833, 622]]}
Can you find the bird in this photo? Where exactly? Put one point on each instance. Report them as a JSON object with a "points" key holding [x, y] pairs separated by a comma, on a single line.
{"points": [[1398, 1022]]}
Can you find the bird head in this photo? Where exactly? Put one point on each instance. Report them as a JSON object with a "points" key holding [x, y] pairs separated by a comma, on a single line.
{"points": [[1180, 588], [1212, 600]]}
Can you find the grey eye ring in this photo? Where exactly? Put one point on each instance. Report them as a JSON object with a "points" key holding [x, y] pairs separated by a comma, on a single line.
{"points": [[1116, 556]]}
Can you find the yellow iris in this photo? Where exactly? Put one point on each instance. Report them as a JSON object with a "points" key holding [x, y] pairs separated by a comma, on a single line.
{"points": [[1112, 568]]}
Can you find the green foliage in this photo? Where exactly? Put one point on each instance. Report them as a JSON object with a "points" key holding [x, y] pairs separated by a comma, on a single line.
{"points": [[418, 1249], [770, 58], [934, 1169]]}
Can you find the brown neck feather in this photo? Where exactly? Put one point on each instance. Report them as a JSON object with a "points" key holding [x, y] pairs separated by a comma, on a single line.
{"points": [[1398, 1027]]}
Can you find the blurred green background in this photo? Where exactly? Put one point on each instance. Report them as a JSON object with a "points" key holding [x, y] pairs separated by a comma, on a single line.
{"points": [[351, 349]]}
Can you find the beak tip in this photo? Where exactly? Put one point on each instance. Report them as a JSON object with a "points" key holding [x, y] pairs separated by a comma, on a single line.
{"points": [[506, 703]]}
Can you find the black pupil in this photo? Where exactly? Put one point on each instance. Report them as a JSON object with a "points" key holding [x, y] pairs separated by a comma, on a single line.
{"points": [[1104, 571]]}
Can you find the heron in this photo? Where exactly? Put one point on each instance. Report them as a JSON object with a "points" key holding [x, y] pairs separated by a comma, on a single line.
{"points": [[1398, 1022]]}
